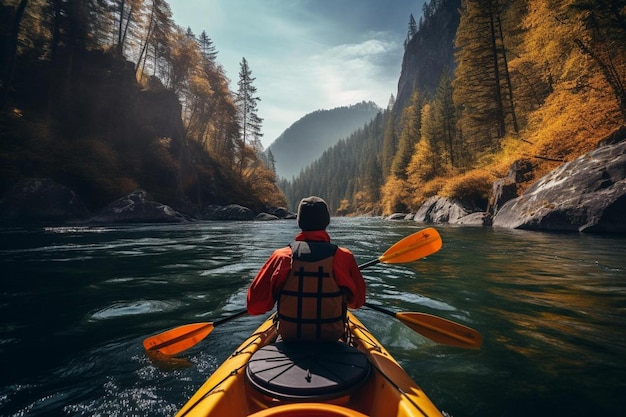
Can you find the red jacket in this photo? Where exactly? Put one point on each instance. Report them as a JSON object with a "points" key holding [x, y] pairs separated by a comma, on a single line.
{"points": [[263, 291]]}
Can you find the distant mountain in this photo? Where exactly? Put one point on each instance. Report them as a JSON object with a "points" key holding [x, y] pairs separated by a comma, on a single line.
{"points": [[352, 169], [305, 140]]}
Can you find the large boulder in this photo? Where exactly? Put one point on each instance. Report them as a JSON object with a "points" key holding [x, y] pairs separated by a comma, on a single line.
{"points": [[505, 189], [478, 218], [397, 216], [280, 212], [41, 200], [138, 208], [230, 212], [586, 195], [441, 210], [265, 217]]}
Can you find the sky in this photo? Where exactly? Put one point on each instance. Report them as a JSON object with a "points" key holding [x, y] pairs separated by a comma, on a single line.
{"points": [[305, 55]]}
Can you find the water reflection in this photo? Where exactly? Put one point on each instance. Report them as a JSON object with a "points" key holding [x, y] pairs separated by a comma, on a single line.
{"points": [[77, 303]]}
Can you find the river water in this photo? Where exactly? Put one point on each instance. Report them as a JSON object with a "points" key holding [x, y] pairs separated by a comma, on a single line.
{"points": [[77, 302]]}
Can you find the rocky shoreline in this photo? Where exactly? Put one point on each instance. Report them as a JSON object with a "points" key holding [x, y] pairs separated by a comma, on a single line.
{"points": [[587, 194], [41, 200]]}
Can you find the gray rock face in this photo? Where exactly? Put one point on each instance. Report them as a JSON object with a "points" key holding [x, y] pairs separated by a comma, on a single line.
{"points": [[586, 195], [40, 200], [475, 219], [137, 208], [441, 210], [230, 212], [266, 217], [397, 216], [505, 189]]}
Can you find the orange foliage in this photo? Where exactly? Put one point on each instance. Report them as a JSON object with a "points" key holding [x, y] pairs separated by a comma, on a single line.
{"points": [[474, 186], [570, 123], [426, 190], [395, 194]]}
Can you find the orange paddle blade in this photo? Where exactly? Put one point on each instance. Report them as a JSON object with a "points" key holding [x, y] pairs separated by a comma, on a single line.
{"points": [[178, 339], [441, 330], [413, 247]]}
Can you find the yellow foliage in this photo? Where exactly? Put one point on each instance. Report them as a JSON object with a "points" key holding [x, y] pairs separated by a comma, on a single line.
{"points": [[570, 124], [200, 87], [474, 185], [425, 164], [344, 207], [395, 195], [566, 76], [426, 190]]}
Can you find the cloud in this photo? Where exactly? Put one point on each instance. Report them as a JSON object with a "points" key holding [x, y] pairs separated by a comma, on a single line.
{"points": [[306, 55], [354, 72]]}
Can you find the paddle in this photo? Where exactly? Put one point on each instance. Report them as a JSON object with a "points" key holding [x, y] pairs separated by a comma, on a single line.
{"points": [[183, 337], [408, 249], [437, 329]]}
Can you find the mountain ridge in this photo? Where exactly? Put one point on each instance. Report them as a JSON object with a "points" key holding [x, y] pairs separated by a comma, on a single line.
{"points": [[306, 139]]}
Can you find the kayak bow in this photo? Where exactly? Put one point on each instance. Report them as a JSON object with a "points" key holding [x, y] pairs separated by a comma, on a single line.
{"points": [[265, 378]]}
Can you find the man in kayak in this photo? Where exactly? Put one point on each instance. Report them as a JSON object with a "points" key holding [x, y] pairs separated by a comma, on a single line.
{"points": [[312, 281]]}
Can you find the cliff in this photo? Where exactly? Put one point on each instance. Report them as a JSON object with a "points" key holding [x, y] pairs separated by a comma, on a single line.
{"points": [[104, 135], [428, 54]]}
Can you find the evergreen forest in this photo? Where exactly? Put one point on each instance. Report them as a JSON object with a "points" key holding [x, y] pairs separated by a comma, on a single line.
{"points": [[110, 96], [533, 82], [307, 139]]}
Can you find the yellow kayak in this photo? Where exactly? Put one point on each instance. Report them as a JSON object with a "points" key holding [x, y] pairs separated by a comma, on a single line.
{"points": [[266, 378]]}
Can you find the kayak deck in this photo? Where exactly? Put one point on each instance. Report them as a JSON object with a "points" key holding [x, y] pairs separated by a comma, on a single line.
{"points": [[371, 382]]}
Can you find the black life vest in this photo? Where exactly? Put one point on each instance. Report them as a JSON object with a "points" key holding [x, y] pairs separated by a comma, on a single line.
{"points": [[311, 306]]}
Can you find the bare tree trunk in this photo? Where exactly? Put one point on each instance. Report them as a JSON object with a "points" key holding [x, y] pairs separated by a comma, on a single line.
{"points": [[119, 29], [507, 75], [496, 70]]}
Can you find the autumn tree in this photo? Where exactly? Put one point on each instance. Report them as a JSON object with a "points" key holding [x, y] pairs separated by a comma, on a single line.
{"points": [[395, 194], [426, 164], [604, 41], [576, 96], [183, 59], [155, 42]]}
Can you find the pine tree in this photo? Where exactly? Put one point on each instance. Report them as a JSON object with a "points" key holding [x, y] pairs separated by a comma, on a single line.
{"points": [[442, 124], [412, 28], [249, 120], [409, 135], [391, 103], [390, 144], [271, 161], [207, 47], [482, 87]]}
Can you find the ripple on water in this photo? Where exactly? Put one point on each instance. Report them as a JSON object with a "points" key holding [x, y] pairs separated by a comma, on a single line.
{"points": [[133, 308], [124, 401], [416, 299], [230, 268]]}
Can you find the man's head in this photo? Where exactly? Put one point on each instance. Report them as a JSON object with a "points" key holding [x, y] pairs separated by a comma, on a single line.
{"points": [[313, 214]]}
